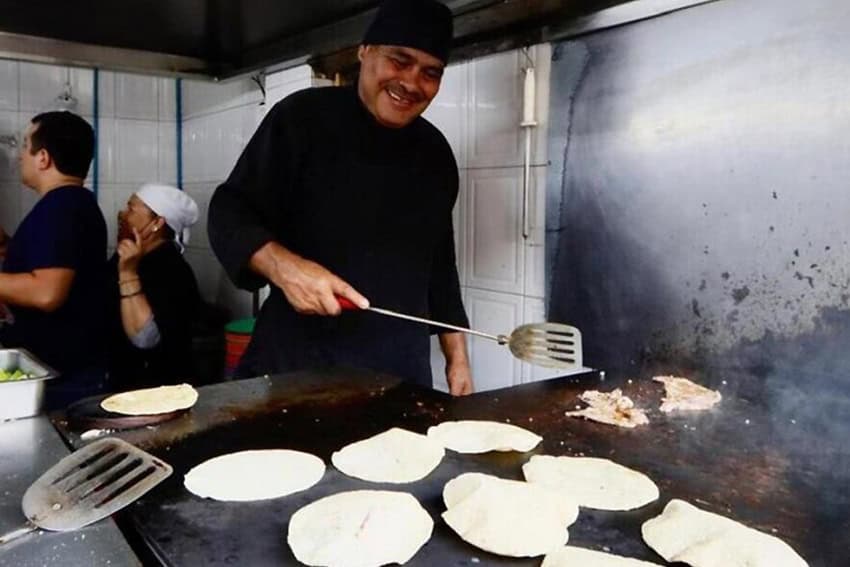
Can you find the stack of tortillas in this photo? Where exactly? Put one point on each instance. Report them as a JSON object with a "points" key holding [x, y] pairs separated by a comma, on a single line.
{"points": [[592, 483], [395, 456], [684, 533], [152, 401], [483, 436], [508, 517], [362, 528]]}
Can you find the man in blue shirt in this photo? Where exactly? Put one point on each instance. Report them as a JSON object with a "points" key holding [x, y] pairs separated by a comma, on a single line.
{"points": [[53, 278]]}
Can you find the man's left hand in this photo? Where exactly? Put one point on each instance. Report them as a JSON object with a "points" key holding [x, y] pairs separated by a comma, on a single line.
{"points": [[459, 377]]}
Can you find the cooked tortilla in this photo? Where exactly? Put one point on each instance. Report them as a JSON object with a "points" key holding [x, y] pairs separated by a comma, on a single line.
{"points": [[483, 436], [152, 401], [593, 483], [363, 528], [682, 394], [570, 556], [684, 533], [508, 517], [612, 408], [395, 456], [254, 475]]}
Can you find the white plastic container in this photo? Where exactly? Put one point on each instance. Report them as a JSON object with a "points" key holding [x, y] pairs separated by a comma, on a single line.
{"points": [[22, 398]]}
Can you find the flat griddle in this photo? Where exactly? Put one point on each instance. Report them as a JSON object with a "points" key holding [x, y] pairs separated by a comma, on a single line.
{"points": [[88, 414], [740, 460]]}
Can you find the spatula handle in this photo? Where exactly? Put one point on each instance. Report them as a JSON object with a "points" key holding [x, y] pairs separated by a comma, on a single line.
{"points": [[18, 533], [346, 304]]}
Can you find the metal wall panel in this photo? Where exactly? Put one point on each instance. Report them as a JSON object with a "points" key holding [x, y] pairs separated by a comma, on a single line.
{"points": [[698, 198], [698, 206]]}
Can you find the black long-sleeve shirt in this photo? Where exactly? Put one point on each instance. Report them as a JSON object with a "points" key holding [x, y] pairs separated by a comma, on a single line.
{"points": [[371, 204], [172, 292]]}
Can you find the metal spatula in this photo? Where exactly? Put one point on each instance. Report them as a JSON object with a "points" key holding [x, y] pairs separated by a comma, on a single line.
{"points": [[89, 485], [554, 345]]}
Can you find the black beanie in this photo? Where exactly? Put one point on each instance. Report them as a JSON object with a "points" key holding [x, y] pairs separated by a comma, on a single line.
{"points": [[421, 24]]}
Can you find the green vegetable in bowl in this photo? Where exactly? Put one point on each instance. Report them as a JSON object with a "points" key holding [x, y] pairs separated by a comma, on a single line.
{"points": [[12, 375]]}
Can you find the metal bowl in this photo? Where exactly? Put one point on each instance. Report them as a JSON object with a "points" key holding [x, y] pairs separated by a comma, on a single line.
{"points": [[23, 398]]}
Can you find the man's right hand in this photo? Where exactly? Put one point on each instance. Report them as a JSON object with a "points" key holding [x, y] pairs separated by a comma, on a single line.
{"points": [[309, 287]]}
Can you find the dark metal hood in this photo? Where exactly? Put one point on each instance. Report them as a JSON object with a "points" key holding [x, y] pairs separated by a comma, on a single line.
{"points": [[224, 38]]}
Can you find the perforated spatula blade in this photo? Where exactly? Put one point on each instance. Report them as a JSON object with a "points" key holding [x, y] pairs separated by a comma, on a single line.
{"points": [[88, 485], [553, 345]]}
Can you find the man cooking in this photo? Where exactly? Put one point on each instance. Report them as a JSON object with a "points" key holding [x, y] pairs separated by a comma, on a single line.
{"points": [[348, 192], [52, 280]]}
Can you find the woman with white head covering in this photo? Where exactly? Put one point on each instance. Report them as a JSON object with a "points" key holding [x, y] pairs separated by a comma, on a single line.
{"points": [[155, 296]]}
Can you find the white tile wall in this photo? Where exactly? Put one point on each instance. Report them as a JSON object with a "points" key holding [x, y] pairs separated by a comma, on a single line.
{"points": [[302, 75], [106, 94], [494, 246], [498, 313], [448, 110], [213, 142], [281, 84], [167, 93], [207, 97], [534, 285], [201, 193], [8, 85], [495, 110], [39, 85], [136, 150], [136, 96], [167, 152], [195, 150], [107, 154], [479, 109]]}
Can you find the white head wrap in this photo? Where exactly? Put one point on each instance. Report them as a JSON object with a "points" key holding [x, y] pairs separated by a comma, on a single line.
{"points": [[177, 208]]}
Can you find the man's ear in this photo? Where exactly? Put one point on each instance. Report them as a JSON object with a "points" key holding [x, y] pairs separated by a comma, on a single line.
{"points": [[361, 52], [43, 159]]}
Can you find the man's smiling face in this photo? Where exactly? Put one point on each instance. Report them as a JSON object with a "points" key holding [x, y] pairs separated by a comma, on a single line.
{"points": [[397, 83]]}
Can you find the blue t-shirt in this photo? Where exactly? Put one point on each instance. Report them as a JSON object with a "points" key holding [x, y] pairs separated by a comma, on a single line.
{"points": [[65, 229]]}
